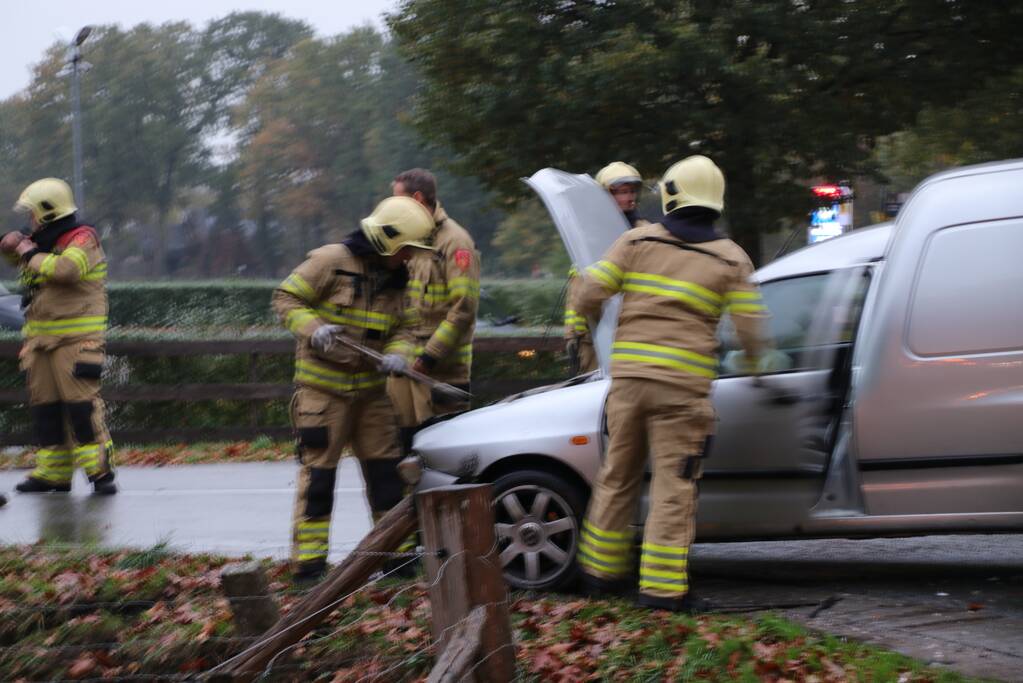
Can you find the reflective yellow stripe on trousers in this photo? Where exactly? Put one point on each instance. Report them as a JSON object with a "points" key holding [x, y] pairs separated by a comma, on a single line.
{"points": [[664, 567], [87, 456], [603, 551], [54, 465], [313, 540]]}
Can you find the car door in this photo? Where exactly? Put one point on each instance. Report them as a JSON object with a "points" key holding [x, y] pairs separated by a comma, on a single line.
{"points": [[775, 434]]}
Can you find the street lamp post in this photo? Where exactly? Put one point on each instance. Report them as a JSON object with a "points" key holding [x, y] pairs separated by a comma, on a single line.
{"points": [[75, 59]]}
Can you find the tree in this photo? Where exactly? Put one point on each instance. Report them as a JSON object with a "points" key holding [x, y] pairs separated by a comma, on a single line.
{"points": [[778, 92], [324, 138], [982, 127], [527, 241]]}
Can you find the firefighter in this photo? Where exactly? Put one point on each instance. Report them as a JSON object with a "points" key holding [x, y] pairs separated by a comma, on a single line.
{"points": [[677, 277], [623, 183], [443, 297], [63, 274], [355, 289]]}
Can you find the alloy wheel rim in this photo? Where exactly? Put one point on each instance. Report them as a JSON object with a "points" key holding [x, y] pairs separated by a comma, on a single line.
{"points": [[537, 535]]}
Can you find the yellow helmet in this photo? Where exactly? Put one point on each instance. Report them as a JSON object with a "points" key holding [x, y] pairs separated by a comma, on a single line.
{"points": [[398, 222], [617, 173], [694, 181], [47, 200]]}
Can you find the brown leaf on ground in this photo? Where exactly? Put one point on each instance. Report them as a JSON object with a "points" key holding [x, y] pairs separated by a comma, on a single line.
{"points": [[835, 673], [83, 666], [578, 633], [560, 648], [975, 606], [545, 662], [193, 665]]}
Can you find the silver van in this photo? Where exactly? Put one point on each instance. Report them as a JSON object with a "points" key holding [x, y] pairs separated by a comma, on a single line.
{"points": [[894, 405]]}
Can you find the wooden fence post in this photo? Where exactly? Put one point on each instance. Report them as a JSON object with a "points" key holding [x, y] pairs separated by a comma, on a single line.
{"points": [[254, 608], [351, 574], [464, 572]]}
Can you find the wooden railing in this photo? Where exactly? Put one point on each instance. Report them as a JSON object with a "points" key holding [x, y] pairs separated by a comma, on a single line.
{"points": [[246, 391]]}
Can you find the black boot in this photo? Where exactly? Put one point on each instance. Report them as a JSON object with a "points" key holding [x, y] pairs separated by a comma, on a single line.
{"points": [[104, 485], [688, 604], [34, 485], [309, 573], [596, 587], [3, 500]]}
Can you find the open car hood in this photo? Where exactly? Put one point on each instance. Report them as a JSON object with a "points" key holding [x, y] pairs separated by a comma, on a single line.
{"points": [[589, 222]]}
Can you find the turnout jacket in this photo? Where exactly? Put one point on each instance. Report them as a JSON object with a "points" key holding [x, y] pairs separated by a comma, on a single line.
{"points": [[338, 287], [443, 298], [65, 291], [576, 326], [674, 293]]}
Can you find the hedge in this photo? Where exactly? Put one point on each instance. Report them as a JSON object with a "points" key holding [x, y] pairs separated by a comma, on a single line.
{"points": [[544, 367], [243, 303]]}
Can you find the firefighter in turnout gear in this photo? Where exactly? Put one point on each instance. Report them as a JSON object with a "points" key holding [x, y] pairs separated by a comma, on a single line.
{"points": [[63, 275], [443, 298], [623, 183], [355, 289], [677, 278]]}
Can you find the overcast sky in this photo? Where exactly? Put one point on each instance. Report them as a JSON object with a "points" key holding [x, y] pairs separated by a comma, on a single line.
{"points": [[28, 27]]}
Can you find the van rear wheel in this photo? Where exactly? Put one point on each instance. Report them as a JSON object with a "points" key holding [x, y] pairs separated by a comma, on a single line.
{"points": [[536, 518]]}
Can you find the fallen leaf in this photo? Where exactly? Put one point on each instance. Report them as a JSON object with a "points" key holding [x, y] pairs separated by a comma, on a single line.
{"points": [[197, 664], [83, 666]]}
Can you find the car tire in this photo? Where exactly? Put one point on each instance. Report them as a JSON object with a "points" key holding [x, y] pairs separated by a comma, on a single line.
{"points": [[537, 520]]}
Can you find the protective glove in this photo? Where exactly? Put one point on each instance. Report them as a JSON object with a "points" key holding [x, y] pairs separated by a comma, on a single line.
{"points": [[323, 338], [10, 241], [393, 363], [572, 350]]}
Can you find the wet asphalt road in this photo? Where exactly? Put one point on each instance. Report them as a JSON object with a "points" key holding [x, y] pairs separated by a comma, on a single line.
{"points": [[950, 600], [228, 509]]}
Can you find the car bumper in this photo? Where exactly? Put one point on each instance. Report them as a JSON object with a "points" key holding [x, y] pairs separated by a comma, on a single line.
{"points": [[431, 479]]}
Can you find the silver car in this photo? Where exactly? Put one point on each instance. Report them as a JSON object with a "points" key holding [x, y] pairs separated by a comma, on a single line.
{"points": [[893, 405], [11, 317]]}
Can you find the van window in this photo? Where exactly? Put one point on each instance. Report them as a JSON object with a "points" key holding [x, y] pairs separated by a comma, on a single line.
{"points": [[792, 304], [968, 296]]}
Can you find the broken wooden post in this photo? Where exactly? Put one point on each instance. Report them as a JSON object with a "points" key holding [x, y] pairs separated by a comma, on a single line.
{"points": [[350, 575], [464, 572], [253, 607], [462, 652]]}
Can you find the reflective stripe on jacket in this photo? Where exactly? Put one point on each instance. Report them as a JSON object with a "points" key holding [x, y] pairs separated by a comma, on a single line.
{"points": [[443, 299], [69, 300], [674, 294], [334, 286]]}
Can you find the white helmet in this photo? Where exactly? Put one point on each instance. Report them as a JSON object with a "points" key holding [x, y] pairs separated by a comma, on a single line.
{"points": [[694, 181], [398, 222]]}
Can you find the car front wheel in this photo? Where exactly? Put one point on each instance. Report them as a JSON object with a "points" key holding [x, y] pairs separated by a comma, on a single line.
{"points": [[537, 528]]}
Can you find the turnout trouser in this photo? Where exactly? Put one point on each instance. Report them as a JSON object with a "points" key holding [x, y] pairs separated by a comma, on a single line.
{"points": [[670, 423], [325, 425], [67, 411], [416, 404]]}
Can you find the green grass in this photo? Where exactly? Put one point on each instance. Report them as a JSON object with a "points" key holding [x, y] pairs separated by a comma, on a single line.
{"points": [[47, 632]]}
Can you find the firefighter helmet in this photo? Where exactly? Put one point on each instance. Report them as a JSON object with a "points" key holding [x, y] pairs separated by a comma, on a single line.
{"points": [[47, 200], [694, 181], [618, 173], [398, 222]]}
